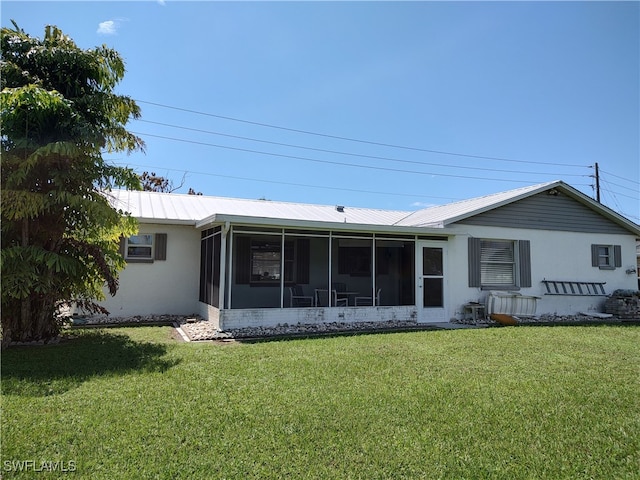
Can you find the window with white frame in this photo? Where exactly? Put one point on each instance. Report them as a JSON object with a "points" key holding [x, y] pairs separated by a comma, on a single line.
{"points": [[139, 247], [606, 257], [497, 262]]}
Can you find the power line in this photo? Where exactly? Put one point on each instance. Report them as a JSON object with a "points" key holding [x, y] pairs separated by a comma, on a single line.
{"points": [[622, 186], [290, 184], [375, 157], [622, 178], [337, 137], [331, 162]]}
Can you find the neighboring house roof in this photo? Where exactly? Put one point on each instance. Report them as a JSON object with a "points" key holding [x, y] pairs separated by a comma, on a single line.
{"points": [[200, 211]]}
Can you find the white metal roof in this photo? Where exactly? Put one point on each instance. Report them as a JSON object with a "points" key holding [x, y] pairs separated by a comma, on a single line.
{"points": [[200, 211], [194, 209]]}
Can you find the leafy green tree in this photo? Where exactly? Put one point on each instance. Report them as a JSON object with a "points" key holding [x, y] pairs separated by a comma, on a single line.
{"points": [[59, 113]]}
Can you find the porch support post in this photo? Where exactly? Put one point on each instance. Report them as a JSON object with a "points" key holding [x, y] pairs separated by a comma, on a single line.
{"points": [[282, 268], [227, 266], [223, 261], [373, 270], [329, 296]]}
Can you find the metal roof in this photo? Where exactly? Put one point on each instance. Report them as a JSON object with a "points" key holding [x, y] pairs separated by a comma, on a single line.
{"points": [[200, 211]]}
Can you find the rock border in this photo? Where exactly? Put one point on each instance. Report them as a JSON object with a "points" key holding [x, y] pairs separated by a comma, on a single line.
{"points": [[194, 328]]}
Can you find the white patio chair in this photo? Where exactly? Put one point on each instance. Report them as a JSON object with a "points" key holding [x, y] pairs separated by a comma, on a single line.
{"points": [[322, 298], [361, 301], [298, 298]]}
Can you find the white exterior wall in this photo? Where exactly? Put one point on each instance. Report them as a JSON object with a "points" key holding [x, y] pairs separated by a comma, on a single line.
{"points": [[554, 256], [171, 286], [165, 286]]}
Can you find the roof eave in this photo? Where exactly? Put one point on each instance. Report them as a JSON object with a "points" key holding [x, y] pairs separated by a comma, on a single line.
{"points": [[166, 221], [317, 225]]}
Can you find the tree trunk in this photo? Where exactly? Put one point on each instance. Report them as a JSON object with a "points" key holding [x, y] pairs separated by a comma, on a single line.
{"points": [[32, 318]]}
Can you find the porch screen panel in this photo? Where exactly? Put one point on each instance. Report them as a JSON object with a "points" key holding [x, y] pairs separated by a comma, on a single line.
{"points": [[210, 270], [215, 281], [257, 271], [352, 268], [395, 267], [306, 264], [203, 272]]}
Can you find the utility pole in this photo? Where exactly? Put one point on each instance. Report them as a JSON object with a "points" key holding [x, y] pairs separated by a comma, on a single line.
{"points": [[597, 184]]}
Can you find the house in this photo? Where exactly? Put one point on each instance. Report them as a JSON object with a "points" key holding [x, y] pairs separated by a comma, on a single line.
{"points": [[245, 263]]}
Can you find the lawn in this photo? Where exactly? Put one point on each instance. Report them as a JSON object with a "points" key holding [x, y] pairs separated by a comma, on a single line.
{"points": [[503, 403]]}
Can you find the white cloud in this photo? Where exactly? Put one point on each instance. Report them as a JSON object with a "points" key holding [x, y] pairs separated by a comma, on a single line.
{"points": [[107, 28]]}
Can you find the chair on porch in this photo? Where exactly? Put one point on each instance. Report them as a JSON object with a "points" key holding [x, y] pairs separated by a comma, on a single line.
{"points": [[361, 301], [298, 298], [322, 298]]}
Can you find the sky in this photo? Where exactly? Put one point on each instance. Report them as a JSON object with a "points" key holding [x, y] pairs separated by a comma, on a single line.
{"points": [[390, 105]]}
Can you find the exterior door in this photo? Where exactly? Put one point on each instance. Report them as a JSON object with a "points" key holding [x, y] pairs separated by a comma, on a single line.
{"points": [[431, 284]]}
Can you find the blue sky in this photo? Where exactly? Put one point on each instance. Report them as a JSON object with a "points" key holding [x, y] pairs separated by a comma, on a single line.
{"points": [[393, 105]]}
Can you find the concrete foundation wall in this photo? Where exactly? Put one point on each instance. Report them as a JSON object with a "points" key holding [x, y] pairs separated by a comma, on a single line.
{"points": [[269, 317]]}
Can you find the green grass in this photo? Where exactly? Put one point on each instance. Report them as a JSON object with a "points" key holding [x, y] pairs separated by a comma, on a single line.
{"points": [[503, 403]]}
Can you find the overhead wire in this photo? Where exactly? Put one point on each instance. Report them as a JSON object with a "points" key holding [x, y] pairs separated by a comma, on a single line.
{"points": [[618, 176], [291, 184], [333, 162], [355, 165], [374, 157], [368, 142]]}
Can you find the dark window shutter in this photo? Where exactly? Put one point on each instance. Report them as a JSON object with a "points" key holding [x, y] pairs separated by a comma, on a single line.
{"points": [[243, 260], [343, 260], [617, 256], [524, 253], [594, 255], [121, 247], [474, 262], [382, 260], [160, 252], [302, 261]]}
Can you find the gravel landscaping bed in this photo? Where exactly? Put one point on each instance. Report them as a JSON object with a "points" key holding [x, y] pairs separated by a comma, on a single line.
{"points": [[197, 329]]}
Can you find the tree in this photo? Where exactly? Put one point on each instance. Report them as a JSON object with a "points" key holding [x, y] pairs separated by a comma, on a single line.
{"points": [[59, 233], [155, 183]]}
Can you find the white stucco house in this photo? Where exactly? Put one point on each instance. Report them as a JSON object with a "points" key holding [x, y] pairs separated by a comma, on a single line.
{"points": [[238, 263]]}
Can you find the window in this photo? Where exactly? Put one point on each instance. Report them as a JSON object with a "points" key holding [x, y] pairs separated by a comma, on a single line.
{"points": [[144, 248], [499, 264], [266, 260], [140, 247], [258, 260], [606, 257]]}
